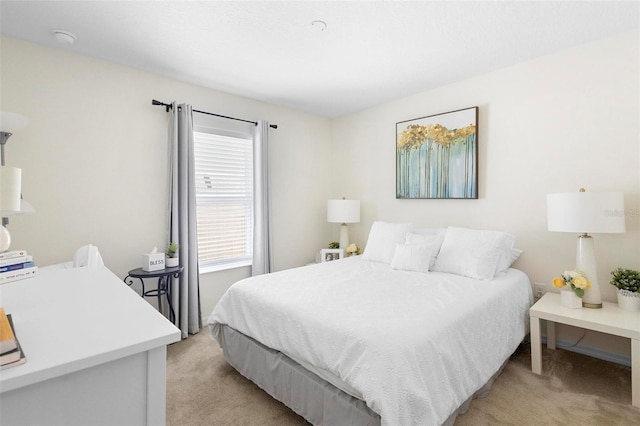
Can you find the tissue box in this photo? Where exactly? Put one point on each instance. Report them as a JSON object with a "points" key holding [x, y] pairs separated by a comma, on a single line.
{"points": [[152, 262]]}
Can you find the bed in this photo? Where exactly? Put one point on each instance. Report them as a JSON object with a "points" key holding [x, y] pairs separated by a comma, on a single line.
{"points": [[406, 334]]}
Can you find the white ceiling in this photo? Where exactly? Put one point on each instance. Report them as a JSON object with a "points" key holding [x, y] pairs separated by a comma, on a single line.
{"points": [[370, 52]]}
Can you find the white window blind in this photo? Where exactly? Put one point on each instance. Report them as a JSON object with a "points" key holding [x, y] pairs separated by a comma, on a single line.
{"points": [[224, 200]]}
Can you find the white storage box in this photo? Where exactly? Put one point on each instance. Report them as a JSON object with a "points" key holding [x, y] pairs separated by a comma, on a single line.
{"points": [[152, 262]]}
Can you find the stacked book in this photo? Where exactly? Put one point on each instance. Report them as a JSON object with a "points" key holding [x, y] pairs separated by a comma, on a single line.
{"points": [[10, 351], [16, 265]]}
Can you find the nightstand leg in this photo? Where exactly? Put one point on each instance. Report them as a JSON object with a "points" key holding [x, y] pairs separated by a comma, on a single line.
{"points": [[551, 335], [635, 372], [536, 346]]}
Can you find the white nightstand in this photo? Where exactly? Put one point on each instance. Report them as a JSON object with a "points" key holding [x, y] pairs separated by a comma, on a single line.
{"points": [[610, 319]]}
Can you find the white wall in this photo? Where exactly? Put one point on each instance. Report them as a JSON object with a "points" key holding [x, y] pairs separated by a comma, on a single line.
{"points": [[94, 161], [554, 124]]}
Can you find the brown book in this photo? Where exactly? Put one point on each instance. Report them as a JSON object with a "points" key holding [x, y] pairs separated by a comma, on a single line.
{"points": [[14, 357], [7, 337]]}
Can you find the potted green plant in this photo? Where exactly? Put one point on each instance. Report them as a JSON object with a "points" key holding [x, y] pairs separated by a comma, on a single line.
{"points": [[628, 283], [172, 255]]}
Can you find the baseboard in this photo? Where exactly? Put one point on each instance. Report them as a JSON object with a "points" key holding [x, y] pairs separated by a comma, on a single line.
{"points": [[591, 351]]}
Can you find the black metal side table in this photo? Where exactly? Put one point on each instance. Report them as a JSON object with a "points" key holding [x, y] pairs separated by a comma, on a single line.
{"points": [[165, 278]]}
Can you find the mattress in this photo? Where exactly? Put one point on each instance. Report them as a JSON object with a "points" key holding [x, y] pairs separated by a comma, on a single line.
{"points": [[413, 346], [312, 397]]}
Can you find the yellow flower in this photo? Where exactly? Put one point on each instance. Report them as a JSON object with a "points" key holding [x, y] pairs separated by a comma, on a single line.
{"points": [[558, 282], [581, 282]]}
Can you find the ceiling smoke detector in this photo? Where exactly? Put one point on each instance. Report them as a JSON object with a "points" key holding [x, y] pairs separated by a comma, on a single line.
{"points": [[319, 25], [64, 37]]}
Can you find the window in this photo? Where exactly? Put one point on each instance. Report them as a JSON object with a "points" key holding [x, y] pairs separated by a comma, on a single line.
{"points": [[224, 200]]}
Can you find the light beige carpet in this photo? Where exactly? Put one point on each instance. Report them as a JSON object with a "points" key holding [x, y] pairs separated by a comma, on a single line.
{"points": [[202, 389]]}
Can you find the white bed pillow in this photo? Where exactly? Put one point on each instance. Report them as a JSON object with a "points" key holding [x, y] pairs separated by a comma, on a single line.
{"points": [[474, 253], [505, 262], [382, 240], [411, 257], [432, 240]]}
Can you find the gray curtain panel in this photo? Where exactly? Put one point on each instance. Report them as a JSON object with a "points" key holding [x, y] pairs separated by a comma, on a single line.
{"points": [[261, 201], [182, 219]]}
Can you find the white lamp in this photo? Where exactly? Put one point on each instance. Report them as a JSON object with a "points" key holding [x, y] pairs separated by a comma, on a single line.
{"points": [[343, 212], [10, 180], [11, 201], [587, 212]]}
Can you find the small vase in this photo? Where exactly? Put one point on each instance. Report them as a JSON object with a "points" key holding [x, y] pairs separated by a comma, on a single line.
{"points": [[628, 300], [171, 262], [569, 299]]}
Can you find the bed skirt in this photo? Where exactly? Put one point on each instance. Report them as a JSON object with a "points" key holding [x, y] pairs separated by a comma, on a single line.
{"points": [[308, 395]]}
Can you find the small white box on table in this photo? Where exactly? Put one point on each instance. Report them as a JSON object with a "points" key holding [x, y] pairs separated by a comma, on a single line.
{"points": [[152, 262]]}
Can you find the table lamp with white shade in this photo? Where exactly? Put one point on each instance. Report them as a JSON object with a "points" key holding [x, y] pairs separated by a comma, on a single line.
{"points": [[343, 212], [11, 201], [10, 183], [583, 213]]}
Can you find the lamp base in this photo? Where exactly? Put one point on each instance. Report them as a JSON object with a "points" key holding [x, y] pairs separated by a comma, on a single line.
{"points": [[5, 239], [586, 262], [344, 236]]}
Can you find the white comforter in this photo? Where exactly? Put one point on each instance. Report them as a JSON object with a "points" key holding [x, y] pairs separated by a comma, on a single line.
{"points": [[413, 346]]}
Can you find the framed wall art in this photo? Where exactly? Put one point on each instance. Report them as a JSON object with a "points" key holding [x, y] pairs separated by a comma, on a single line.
{"points": [[437, 156]]}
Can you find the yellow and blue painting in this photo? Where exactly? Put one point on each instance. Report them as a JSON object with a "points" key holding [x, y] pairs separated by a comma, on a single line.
{"points": [[437, 156]]}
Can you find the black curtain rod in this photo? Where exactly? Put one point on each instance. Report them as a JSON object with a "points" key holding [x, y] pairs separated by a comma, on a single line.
{"points": [[168, 107]]}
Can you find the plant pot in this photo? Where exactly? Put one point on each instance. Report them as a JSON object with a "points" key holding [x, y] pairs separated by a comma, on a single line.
{"points": [[569, 299], [628, 300], [171, 262]]}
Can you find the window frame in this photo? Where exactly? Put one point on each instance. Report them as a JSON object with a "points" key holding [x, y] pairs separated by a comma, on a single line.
{"points": [[238, 261]]}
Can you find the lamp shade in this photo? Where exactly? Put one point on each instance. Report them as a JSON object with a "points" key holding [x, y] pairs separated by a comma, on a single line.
{"points": [[10, 181], [343, 211], [586, 212], [11, 122]]}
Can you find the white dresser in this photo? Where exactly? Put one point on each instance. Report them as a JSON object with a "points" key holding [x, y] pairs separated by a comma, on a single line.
{"points": [[96, 352]]}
